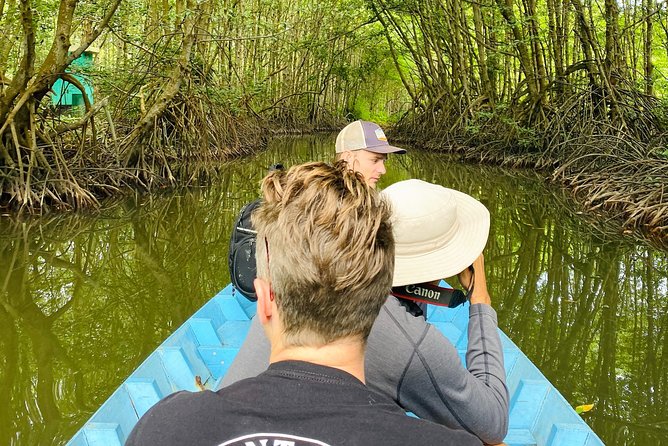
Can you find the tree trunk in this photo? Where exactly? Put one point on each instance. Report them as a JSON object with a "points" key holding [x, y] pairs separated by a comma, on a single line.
{"points": [[523, 53], [132, 146], [648, 9], [486, 83]]}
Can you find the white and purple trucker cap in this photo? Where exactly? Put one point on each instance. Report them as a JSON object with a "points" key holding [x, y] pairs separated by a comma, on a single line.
{"points": [[364, 135]]}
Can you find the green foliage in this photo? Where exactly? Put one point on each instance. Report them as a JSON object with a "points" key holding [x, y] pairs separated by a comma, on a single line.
{"points": [[489, 124], [317, 59], [467, 68]]}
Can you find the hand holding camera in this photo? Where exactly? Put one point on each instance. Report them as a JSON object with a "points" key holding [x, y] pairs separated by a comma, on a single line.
{"points": [[473, 277]]}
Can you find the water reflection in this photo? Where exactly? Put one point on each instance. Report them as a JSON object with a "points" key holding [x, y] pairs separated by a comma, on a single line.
{"points": [[85, 298]]}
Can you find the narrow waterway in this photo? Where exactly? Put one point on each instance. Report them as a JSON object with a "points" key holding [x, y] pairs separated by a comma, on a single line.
{"points": [[85, 298]]}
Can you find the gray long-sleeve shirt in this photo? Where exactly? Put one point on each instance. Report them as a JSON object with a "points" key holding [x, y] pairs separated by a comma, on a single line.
{"points": [[413, 363]]}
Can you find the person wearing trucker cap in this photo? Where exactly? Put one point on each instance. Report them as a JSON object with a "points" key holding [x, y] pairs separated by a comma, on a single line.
{"points": [[363, 145], [439, 233]]}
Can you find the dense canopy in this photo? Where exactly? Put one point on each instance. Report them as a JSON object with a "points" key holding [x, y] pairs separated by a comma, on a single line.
{"points": [[577, 88]]}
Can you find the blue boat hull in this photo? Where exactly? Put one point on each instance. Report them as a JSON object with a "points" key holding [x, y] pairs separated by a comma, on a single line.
{"points": [[198, 354]]}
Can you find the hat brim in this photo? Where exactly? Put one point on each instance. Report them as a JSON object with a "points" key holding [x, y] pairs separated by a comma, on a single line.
{"points": [[455, 256], [385, 149]]}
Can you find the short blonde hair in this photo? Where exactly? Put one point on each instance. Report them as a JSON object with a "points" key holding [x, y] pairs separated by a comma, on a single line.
{"points": [[324, 242]]}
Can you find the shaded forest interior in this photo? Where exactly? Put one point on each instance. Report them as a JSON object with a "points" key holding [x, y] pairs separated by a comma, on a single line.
{"points": [[577, 89]]}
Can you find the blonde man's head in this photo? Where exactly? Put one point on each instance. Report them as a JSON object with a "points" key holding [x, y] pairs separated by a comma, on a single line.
{"points": [[325, 245]]}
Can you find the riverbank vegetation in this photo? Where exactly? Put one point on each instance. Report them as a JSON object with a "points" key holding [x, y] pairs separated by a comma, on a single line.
{"points": [[577, 89], [176, 83], [574, 88]]}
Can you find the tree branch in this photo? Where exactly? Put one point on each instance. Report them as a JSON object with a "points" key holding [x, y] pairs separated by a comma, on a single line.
{"points": [[75, 125], [95, 34]]}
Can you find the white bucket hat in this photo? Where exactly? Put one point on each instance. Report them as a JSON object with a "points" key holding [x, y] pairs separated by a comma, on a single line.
{"points": [[438, 232]]}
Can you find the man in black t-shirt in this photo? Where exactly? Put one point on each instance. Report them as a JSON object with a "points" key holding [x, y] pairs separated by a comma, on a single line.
{"points": [[325, 256]]}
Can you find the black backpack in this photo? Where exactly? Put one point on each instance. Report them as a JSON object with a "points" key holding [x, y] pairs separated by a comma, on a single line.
{"points": [[241, 260]]}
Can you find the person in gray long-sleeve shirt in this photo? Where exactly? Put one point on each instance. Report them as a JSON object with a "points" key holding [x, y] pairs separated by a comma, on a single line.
{"points": [[408, 359]]}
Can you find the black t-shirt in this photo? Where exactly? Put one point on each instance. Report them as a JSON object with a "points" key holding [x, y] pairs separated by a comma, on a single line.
{"points": [[293, 403]]}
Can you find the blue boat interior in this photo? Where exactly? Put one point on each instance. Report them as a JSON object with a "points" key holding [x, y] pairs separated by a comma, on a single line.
{"points": [[197, 355]]}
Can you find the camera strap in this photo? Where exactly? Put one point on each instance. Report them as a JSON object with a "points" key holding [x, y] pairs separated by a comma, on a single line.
{"points": [[431, 294]]}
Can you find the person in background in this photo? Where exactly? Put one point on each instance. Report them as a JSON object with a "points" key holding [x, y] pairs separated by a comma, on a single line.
{"points": [[324, 261], [363, 145], [439, 233]]}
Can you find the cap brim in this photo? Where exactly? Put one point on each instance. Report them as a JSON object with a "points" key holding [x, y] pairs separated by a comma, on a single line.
{"points": [[451, 259], [385, 149]]}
